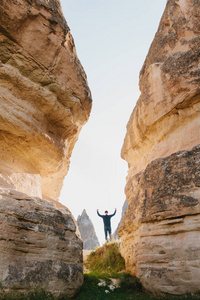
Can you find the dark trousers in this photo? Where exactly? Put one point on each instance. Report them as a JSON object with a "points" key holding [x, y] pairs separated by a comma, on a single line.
{"points": [[107, 230]]}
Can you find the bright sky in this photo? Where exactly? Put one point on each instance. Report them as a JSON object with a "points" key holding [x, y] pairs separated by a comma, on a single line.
{"points": [[112, 38]]}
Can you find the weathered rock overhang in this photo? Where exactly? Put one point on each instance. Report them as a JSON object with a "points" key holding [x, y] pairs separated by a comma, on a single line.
{"points": [[45, 99]]}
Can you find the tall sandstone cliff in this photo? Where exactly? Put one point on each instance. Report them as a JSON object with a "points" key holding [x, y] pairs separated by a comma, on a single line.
{"points": [[44, 102], [160, 230]]}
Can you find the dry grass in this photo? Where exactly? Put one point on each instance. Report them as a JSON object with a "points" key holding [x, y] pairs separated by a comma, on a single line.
{"points": [[105, 259]]}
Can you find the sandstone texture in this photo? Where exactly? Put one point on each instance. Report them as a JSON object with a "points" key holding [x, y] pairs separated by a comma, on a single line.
{"points": [[166, 117], [39, 243], [44, 102], [87, 232], [44, 96], [160, 230]]}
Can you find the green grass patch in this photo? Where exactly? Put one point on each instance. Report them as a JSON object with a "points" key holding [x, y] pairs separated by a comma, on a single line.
{"points": [[92, 291], [36, 294], [130, 288]]}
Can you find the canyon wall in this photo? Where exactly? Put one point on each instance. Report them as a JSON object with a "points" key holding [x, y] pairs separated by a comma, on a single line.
{"points": [[44, 102], [160, 230]]}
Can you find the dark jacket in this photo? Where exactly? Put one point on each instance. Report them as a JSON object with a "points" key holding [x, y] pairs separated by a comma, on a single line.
{"points": [[106, 219]]}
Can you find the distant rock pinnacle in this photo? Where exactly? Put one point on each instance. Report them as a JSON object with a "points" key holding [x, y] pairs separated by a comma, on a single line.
{"points": [[124, 207], [87, 231]]}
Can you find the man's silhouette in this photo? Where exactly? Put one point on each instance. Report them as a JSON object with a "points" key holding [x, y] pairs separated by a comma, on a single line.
{"points": [[107, 225]]}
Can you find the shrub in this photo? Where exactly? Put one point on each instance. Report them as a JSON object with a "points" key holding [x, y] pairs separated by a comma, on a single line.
{"points": [[106, 259]]}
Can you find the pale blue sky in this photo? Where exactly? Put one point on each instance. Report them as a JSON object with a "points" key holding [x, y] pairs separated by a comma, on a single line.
{"points": [[112, 38]]}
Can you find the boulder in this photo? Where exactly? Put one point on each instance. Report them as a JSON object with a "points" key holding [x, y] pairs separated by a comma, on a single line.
{"points": [[40, 245]]}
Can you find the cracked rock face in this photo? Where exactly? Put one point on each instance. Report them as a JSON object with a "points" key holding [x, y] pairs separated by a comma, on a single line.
{"points": [[44, 102], [160, 229], [87, 232], [39, 244]]}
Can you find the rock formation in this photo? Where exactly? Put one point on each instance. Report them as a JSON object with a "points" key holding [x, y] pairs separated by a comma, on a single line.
{"points": [[39, 245], [160, 230], [124, 207], [87, 231], [44, 102], [45, 99]]}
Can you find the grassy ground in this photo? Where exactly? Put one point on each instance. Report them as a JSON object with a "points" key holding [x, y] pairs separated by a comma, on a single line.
{"points": [[91, 289], [130, 288], [104, 264]]}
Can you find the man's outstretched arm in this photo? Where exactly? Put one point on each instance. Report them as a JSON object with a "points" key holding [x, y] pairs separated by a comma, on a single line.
{"points": [[114, 213], [99, 214]]}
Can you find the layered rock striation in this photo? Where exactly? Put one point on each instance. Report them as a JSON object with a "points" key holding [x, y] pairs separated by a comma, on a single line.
{"points": [[160, 229], [39, 245], [168, 107], [87, 232], [44, 102], [45, 99]]}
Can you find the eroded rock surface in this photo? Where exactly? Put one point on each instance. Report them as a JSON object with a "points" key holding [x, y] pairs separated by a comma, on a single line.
{"points": [[166, 117], [40, 245], [160, 230], [44, 96], [44, 102], [87, 231]]}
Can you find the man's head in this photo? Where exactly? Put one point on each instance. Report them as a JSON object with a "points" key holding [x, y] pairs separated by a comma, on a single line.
{"points": [[106, 212]]}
